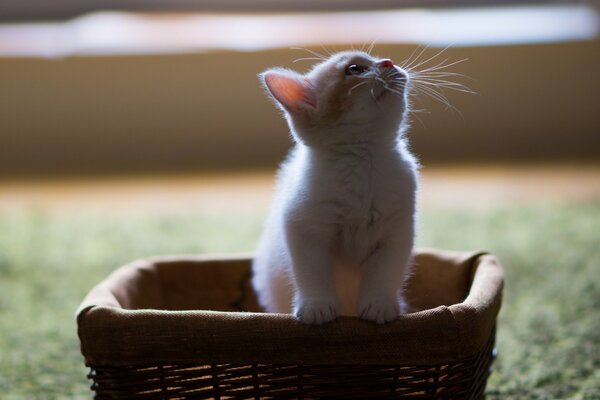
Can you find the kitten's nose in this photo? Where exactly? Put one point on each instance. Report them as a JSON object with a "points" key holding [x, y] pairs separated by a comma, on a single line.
{"points": [[387, 63]]}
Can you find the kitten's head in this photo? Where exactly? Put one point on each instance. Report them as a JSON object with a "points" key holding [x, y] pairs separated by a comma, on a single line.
{"points": [[341, 100]]}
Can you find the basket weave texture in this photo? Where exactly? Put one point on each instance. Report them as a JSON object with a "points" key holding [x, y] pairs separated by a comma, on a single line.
{"points": [[186, 327]]}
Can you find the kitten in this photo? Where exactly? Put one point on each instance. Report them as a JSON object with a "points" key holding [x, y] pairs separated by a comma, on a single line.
{"points": [[339, 237]]}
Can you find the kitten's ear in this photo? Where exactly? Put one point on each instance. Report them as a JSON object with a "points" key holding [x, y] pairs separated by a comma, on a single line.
{"points": [[291, 90]]}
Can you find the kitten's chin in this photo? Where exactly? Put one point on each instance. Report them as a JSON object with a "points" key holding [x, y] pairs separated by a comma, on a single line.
{"points": [[384, 93], [387, 101], [390, 95]]}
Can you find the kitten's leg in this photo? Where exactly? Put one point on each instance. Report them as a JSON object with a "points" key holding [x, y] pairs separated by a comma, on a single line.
{"points": [[315, 299], [383, 274], [272, 283]]}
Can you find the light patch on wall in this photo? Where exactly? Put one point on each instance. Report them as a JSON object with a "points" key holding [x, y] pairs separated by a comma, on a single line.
{"points": [[109, 33]]}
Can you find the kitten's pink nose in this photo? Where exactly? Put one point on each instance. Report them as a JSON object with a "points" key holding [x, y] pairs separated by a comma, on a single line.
{"points": [[387, 63]]}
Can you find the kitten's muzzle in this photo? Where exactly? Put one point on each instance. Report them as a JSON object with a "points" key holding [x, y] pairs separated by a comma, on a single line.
{"points": [[387, 67]]}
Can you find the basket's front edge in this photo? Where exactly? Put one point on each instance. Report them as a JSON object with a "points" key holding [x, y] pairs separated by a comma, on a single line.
{"points": [[113, 336], [475, 317]]}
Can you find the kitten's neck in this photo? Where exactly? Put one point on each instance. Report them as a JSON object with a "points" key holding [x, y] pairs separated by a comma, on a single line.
{"points": [[356, 155], [344, 139]]}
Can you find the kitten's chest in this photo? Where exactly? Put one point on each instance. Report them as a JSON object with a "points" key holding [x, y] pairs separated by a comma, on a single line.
{"points": [[364, 190], [360, 219], [359, 191], [367, 196]]}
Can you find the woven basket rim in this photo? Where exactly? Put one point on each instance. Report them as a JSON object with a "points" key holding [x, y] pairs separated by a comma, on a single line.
{"points": [[111, 334]]}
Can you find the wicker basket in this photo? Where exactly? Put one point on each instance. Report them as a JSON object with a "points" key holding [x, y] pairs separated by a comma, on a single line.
{"points": [[146, 333]]}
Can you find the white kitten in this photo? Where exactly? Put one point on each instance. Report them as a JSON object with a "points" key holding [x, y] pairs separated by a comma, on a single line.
{"points": [[340, 233]]}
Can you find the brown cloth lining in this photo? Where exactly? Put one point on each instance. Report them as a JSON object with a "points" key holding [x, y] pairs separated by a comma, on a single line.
{"points": [[185, 309]]}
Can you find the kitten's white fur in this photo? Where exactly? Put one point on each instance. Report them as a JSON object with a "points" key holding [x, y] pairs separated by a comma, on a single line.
{"points": [[340, 233]]}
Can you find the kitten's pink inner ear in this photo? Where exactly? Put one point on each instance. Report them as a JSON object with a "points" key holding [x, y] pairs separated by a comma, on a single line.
{"points": [[292, 92]]}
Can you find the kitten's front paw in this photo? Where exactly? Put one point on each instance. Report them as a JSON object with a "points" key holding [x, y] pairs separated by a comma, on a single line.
{"points": [[379, 310], [316, 312]]}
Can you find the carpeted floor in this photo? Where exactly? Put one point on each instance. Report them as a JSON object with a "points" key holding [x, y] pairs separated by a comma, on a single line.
{"points": [[59, 240]]}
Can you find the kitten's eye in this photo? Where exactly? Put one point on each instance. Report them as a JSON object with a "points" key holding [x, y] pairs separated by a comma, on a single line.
{"points": [[354, 69]]}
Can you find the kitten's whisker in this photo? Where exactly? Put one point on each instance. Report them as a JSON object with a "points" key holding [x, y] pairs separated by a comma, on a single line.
{"points": [[371, 46], [430, 81], [433, 93], [439, 75], [406, 61], [314, 53], [415, 96], [355, 86], [420, 110], [415, 114], [373, 94], [414, 111], [445, 84], [432, 57], [327, 50], [400, 89], [307, 58], [409, 65], [438, 67], [439, 96], [457, 89], [451, 88], [432, 68]]}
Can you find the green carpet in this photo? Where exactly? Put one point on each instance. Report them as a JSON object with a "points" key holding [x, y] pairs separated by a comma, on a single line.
{"points": [[549, 329]]}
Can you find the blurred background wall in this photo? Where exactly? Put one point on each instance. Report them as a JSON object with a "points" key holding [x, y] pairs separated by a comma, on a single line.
{"points": [[187, 111]]}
